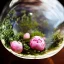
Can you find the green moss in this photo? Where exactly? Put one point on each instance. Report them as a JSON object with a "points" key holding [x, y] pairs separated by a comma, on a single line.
{"points": [[26, 47], [33, 52], [37, 33], [57, 39], [18, 36]]}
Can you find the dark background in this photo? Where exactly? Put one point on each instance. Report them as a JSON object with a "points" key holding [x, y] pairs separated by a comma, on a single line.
{"points": [[8, 58], [3, 2]]}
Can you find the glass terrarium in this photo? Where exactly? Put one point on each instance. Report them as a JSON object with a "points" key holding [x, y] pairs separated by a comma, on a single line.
{"points": [[32, 29]]}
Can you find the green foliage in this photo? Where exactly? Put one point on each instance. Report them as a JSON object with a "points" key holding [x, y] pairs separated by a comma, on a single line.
{"points": [[57, 39], [37, 33], [26, 47], [27, 23], [18, 36], [6, 29], [57, 36], [12, 15]]}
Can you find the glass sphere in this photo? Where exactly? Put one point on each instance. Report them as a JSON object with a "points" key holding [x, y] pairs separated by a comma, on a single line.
{"points": [[42, 18]]}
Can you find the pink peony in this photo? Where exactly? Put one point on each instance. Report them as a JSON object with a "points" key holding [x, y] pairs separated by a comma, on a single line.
{"points": [[16, 46], [26, 36], [37, 43]]}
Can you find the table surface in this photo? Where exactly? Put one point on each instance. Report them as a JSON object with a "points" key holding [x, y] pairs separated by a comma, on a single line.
{"points": [[8, 58]]}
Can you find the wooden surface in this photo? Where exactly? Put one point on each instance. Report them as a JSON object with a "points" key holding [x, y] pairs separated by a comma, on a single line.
{"points": [[8, 58]]}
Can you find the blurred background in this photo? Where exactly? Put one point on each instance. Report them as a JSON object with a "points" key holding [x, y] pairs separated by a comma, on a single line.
{"points": [[3, 2], [8, 58]]}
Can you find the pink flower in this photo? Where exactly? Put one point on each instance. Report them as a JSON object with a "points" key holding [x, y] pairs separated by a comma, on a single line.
{"points": [[26, 36], [37, 43], [16, 46]]}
